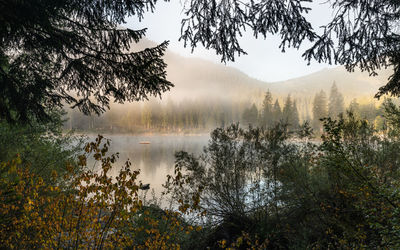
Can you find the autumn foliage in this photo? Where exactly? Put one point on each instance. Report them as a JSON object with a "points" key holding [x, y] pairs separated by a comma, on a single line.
{"points": [[93, 211]]}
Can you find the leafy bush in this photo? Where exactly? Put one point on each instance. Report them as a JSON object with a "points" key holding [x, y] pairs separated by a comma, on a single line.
{"points": [[340, 192], [41, 147], [96, 211], [251, 188]]}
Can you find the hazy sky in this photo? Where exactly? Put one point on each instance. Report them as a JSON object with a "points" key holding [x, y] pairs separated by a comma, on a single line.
{"points": [[264, 61]]}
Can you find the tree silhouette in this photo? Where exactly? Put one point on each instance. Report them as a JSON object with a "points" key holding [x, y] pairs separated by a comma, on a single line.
{"points": [[336, 102], [290, 114], [320, 109], [74, 51], [250, 115], [354, 107], [266, 112], [360, 34], [295, 115], [277, 112]]}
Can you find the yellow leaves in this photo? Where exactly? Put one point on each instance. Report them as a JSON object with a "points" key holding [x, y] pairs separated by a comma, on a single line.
{"points": [[54, 174], [30, 202], [183, 208], [18, 160], [82, 160], [239, 241], [222, 243], [152, 231], [12, 166], [43, 214], [97, 156]]}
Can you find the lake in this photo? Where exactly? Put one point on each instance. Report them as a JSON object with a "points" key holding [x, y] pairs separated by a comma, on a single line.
{"points": [[156, 159]]}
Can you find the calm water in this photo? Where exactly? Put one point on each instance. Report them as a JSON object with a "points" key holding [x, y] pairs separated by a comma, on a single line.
{"points": [[155, 160]]}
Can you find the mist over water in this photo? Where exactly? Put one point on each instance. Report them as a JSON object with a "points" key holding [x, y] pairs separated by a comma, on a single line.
{"points": [[155, 160], [208, 95]]}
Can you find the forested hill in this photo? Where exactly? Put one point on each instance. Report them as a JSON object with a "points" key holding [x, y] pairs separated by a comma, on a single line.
{"points": [[352, 85], [198, 78], [208, 95]]}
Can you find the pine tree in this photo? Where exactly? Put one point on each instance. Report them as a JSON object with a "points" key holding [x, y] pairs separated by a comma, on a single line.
{"points": [[295, 116], [307, 111], [369, 112], [290, 114], [276, 112], [287, 109], [319, 110], [266, 112], [51, 49], [250, 115], [146, 116], [354, 107], [336, 102]]}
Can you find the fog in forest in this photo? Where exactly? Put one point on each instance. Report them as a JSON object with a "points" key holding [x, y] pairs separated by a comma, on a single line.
{"points": [[202, 124], [208, 95]]}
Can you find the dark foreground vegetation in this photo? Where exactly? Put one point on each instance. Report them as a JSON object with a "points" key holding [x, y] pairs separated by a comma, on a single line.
{"points": [[260, 188], [252, 188]]}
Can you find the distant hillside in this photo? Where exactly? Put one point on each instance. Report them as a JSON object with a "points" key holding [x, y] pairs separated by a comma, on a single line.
{"points": [[207, 95], [352, 85], [196, 78]]}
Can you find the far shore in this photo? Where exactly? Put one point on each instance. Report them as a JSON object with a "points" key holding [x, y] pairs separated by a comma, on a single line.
{"points": [[94, 133]]}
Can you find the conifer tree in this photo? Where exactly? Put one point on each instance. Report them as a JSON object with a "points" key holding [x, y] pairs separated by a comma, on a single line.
{"points": [[336, 102], [266, 112], [368, 111], [295, 115], [250, 115], [354, 107], [276, 112], [74, 52], [307, 111], [290, 114], [287, 109], [320, 110]]}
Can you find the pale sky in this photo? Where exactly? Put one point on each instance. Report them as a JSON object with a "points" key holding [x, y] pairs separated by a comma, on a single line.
{"points": [[264, 60]]}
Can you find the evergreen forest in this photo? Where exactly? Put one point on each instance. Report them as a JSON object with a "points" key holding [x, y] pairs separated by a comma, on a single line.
{"points": [[200, 116], [278, 171]]}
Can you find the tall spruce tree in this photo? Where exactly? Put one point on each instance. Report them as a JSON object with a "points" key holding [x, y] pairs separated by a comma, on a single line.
{"points": [[276, 112], [295, 115], [354, 107], [336, 102], [320, 110], [250, 115], [290, 114], [266, 112], [307, 116], [74, 51]]}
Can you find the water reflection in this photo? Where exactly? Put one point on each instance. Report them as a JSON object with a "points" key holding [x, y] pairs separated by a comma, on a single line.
{"points": [[155, 160]]}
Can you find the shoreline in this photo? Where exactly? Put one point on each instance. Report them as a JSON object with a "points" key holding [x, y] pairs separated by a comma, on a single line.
{"points": [[91, 133]]}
